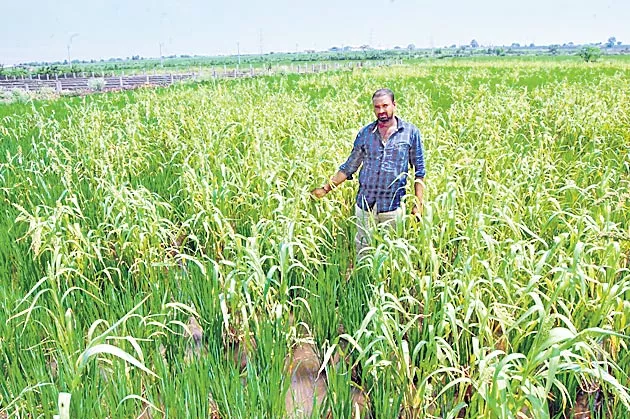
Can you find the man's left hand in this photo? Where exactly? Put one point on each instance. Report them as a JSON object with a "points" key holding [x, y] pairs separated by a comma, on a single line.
{"points": [[417, 212]]}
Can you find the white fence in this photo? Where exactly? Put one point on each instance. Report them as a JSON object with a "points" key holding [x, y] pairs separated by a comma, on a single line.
{"points": [[80, 81]]}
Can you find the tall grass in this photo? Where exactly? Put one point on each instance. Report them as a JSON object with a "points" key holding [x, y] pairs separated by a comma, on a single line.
{"points": [[123, 215]]}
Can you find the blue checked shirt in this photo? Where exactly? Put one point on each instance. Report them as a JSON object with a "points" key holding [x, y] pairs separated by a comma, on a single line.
{"points": [[383, 176]]}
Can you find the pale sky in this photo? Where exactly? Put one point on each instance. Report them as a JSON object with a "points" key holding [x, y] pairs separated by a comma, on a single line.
{"points": [[40, 30]]}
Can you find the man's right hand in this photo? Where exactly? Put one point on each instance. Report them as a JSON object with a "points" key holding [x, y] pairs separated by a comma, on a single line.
{"points": [[335, 181], [319, 192]]}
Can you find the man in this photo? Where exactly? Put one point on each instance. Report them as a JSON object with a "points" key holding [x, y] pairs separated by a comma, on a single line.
{"points": [[385, 148]]}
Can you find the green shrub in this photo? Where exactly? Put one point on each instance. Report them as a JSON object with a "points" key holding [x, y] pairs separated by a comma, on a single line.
{"points": [[97, 84], [590, 53]]}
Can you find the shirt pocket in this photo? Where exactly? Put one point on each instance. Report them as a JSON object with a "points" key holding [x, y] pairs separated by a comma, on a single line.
{"points": [[396, 158]]}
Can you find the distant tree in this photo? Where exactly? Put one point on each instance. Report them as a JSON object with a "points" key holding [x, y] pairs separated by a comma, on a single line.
{"points": [[50, 70], [364, 47], [618, 43], [453, 46], [516, 45], [590, 53], [474, 43], [611, 42], [411, 47], [553, 49], [532, 45]]}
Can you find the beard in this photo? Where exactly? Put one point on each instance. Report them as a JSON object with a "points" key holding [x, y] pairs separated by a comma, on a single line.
{"points": [[384, 118]]}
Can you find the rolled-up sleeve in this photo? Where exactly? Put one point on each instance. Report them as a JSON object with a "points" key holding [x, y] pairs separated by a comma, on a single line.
{"points": [[416, 155], [356, 157]]}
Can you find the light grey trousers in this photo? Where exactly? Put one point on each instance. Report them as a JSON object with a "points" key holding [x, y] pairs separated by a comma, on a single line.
{"points": [[367, 221]]}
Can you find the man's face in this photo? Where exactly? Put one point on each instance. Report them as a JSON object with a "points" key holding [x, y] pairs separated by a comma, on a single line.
{"points": [[384, 108]]}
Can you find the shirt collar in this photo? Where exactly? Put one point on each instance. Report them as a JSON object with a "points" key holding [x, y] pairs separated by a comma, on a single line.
{"points": [[399, 121]]}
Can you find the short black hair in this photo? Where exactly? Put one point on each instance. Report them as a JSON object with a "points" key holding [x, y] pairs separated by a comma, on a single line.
{"points": [[384, 92]]}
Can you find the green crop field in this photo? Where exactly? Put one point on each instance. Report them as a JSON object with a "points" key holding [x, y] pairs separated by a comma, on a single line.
{"points": [[161, 256]]}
